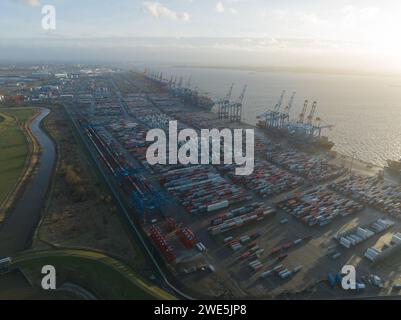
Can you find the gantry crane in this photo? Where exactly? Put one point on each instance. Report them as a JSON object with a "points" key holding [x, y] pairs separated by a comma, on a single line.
{"points": [[235, 109], [312, 113], [271, 117], [275, 116], [285, 116], [303, 112], [224, 104], [180, 82]]}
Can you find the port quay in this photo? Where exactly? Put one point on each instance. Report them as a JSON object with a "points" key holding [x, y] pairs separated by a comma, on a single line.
{"points": [[283, 230], [268, 229]]}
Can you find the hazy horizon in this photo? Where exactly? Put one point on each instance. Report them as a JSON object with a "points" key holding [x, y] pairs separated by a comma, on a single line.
{"points": [[351, 35]]}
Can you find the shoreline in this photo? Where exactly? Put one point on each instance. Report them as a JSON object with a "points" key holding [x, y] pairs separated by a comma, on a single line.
{"points": [[368, 148], [31, 161], [340, 159], [294, 69], [18, 227]]}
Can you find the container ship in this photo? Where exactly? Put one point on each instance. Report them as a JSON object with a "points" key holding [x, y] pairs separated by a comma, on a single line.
{"points": [[300, 138], [306, 130], [394, 165]]}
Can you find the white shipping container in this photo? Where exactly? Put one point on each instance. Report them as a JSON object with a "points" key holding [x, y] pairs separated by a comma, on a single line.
{"points": [[277, 267], [255, 262], [285, 275], [297, 268], [266, 273], [396, 238], [346, 243], [297, 241]]}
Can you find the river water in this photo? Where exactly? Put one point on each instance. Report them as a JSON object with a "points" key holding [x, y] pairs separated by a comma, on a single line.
{"points": [[17, 230], [365, 110]]}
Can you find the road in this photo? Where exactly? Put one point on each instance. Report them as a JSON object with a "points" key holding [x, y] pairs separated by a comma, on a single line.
{"points": [[113, 186], [18, 228]]}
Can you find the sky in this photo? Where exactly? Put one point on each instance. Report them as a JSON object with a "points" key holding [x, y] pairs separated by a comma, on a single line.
{"points": [[344, 34]]}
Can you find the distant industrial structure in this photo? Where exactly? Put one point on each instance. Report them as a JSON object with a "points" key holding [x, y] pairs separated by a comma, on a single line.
{"points": [[231, 110], [227, 108], [306, 129], [185, 93]]}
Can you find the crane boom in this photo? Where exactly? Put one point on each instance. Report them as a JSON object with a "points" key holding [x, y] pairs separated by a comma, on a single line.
{"points": [[312, 112], [242, 96], [280, 102], [230, 92], [289, 105], [303, 112]]}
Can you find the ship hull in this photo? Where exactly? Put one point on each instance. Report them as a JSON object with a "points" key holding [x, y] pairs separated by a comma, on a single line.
{"points": [[394, 165]]}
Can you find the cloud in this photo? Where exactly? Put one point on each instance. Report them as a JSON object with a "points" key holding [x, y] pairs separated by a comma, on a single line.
{"points": [[352, 15], [158, 10], [233, 11], [279, 14], [308, 17], [293, 16], [367, 12], [220, 7], [33, 3]]}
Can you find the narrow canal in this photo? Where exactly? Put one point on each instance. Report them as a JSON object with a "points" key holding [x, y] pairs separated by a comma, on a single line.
{"points": [[17, 230]]}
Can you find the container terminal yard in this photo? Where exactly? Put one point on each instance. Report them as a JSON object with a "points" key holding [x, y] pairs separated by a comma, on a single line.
{"points": [[282, 232]]}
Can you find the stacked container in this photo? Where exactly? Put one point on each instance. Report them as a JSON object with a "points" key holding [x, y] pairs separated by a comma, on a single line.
{"points": [[268, 179], [315, 168], [372, 191], [240, 221], [319, 206], [359, 234], [187, 237], [161, 243], [200, 189]]}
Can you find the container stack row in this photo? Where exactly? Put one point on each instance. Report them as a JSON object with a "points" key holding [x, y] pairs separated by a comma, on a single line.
{"points": [[161, 243], [240, 219], [201, 189], [281, 271], [376, 254], [371, 191], [246, 241], [132, 136], [268, 179], [315, 168], [107, 109], [359, 234], [319, 206]]}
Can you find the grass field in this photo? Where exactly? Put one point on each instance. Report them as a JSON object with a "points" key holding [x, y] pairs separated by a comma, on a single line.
{"points": [[22, 115], [102, 275], [13, 148]]}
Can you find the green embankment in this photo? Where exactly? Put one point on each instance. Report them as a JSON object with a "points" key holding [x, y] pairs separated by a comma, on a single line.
{"points": [[23, 115], [13, 148], [100, 274]]}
